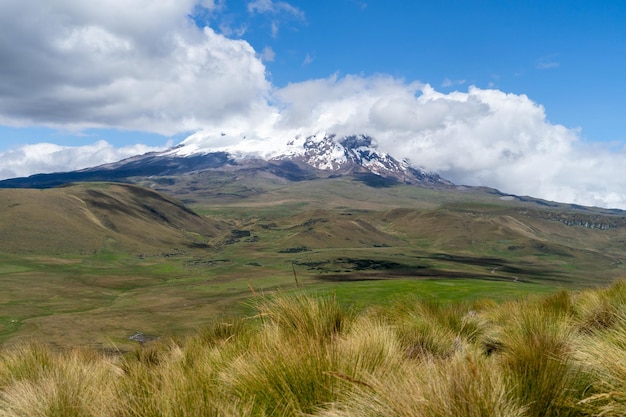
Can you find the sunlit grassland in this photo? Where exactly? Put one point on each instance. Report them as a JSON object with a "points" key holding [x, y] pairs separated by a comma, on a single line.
{"points": [[367, 245], [359, 294], [293, 354], [103, 298], [101, 304]]}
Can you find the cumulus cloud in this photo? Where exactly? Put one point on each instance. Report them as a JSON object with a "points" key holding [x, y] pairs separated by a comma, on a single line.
{"points": [[48, 157], [474, 137], [139, 65], [144, 65]]}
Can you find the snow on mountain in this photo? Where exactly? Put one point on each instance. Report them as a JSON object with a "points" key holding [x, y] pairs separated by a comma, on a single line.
{"points": [[302, 157], [241, 144], [321, 150]]}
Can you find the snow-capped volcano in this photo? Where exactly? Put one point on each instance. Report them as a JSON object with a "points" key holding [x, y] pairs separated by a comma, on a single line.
{"points": [[322, 151], [300, 158]]}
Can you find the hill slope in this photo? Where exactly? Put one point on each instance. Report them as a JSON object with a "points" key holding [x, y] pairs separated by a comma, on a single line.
{"points": [[70, 271], [87, 217]]}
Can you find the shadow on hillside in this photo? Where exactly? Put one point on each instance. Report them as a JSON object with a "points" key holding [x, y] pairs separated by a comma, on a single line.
{"points": [[449, 266]]}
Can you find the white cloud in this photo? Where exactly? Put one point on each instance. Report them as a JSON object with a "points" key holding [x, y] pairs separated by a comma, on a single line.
{"points": [[478, 137], [139, 65], [275, 29], [268, 54], [274, 7], [447, 82], [48, 157], [144, 65]]}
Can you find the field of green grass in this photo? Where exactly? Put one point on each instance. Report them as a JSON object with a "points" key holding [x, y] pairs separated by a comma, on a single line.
{"points": [[320, 298], [100, 301], [94, 264]]}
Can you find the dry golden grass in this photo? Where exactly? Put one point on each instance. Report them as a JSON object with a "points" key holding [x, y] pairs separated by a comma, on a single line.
{"points": [[309, 356], [38, 383]]}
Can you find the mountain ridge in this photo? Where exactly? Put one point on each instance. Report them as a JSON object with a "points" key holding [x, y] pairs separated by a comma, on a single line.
{"points": [[318, 155], [302, 158]]}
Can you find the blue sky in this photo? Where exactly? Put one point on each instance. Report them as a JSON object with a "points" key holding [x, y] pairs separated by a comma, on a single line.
{"points": [[122, 77], [569, 56]]}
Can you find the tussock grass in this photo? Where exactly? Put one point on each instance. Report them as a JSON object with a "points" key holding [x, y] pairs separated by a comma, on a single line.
{"points": [[536, 361], [302, 355], [604, 354], [304, 318], [40, 383]]}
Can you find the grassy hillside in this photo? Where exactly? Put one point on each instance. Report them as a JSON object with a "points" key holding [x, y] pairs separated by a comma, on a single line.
{"points": [[96, 263], [255, 296], [87, 218], [296, 354]]}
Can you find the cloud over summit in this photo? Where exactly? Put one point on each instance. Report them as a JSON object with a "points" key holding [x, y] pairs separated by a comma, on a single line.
{"points": [[478, 137]]}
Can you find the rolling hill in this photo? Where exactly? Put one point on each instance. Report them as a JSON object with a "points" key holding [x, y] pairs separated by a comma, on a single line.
{"points": [[87, 218], [179, 239]]}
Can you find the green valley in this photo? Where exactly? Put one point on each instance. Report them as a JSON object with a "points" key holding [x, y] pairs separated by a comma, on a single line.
{"points": [[93, 264]]}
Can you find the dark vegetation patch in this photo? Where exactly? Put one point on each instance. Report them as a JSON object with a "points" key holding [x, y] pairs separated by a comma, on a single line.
{"points": [[312, 265], [207, 263], [416, 273], [296, 249], [469, 260], [236, 235], [371, 264], [548, 250], [349, 264], [449, 266]]}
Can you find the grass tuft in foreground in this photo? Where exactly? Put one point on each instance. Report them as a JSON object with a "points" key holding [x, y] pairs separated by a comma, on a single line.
{"points": [[302, 355]]}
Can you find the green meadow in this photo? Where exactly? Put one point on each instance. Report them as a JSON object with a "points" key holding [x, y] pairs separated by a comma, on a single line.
{"points": [[94, 264], [317, 298]]}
